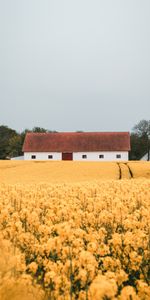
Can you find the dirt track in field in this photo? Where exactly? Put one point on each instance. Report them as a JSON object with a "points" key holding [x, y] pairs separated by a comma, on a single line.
{"points": [[124, 171]]}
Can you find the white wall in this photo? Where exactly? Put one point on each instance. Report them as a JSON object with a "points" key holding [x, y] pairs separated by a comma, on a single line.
{"points": [[91, 156], [42, 155], [94, 156]]}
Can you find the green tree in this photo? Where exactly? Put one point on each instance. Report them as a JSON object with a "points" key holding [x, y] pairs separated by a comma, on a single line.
{"points": [[6, 134], [140, 140], [39, 129], [142, 128], [15, 146]]}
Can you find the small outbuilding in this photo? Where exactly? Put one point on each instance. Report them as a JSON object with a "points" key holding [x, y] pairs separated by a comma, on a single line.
{"points": [[17, 158], [77, 146], [146, 156]]}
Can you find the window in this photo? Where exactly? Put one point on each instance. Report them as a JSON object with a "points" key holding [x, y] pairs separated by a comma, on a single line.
{"points": [[33, 156], [118, 155], [101, 156], [84, 156], [50, 156]]}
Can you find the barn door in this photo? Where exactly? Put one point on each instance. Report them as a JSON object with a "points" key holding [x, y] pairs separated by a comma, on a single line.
{"points": [[67, 156]]}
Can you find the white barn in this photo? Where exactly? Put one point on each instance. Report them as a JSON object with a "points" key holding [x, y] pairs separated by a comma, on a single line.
{"points": [[77, 146]]}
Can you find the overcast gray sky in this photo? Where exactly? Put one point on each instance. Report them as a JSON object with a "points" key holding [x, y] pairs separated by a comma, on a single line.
{"points": [[72, 65]]}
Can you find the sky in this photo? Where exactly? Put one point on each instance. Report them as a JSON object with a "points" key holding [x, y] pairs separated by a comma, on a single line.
{"points": [[71, 65]]}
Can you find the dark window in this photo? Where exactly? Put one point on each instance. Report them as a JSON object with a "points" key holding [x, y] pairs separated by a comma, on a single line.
{"points": [[101, 156], [84, 156], [33, 156], [118, 155], [50, 156]]}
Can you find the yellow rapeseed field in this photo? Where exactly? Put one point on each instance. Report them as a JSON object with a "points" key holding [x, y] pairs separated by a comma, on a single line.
{"points": [[55, 172], [74, 231], [69, 171]]}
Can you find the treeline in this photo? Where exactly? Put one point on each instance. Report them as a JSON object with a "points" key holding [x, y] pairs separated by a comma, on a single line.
{"points": [[11, 141]]}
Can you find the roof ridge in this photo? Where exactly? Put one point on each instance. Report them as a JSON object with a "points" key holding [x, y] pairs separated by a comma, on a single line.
{"points": [[84, 132]]}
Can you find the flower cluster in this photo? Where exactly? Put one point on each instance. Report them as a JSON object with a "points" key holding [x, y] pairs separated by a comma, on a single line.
{"points": [[77, 241]]}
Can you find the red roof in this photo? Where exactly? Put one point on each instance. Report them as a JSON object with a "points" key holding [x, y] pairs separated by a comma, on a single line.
{"points": [[77, 142]]}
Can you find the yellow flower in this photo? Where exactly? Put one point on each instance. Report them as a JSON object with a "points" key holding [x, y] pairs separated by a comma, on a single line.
{"points": [[102, 287], [33, 267], [128, 293]]}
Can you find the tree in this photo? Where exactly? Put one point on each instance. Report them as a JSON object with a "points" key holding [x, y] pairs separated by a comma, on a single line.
{"points": [[138, 146], [140, 140], [6, 134], [15, 146], [42, 130], [39, 129], [142, 128]]}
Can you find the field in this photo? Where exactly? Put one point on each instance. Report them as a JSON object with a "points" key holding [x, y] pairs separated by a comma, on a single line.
{"points": [[74, 230], [28, 172]]}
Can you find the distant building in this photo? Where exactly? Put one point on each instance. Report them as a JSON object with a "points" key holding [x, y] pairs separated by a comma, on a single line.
{"points": [[17, 158], [146, 157], [77, 146]]}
